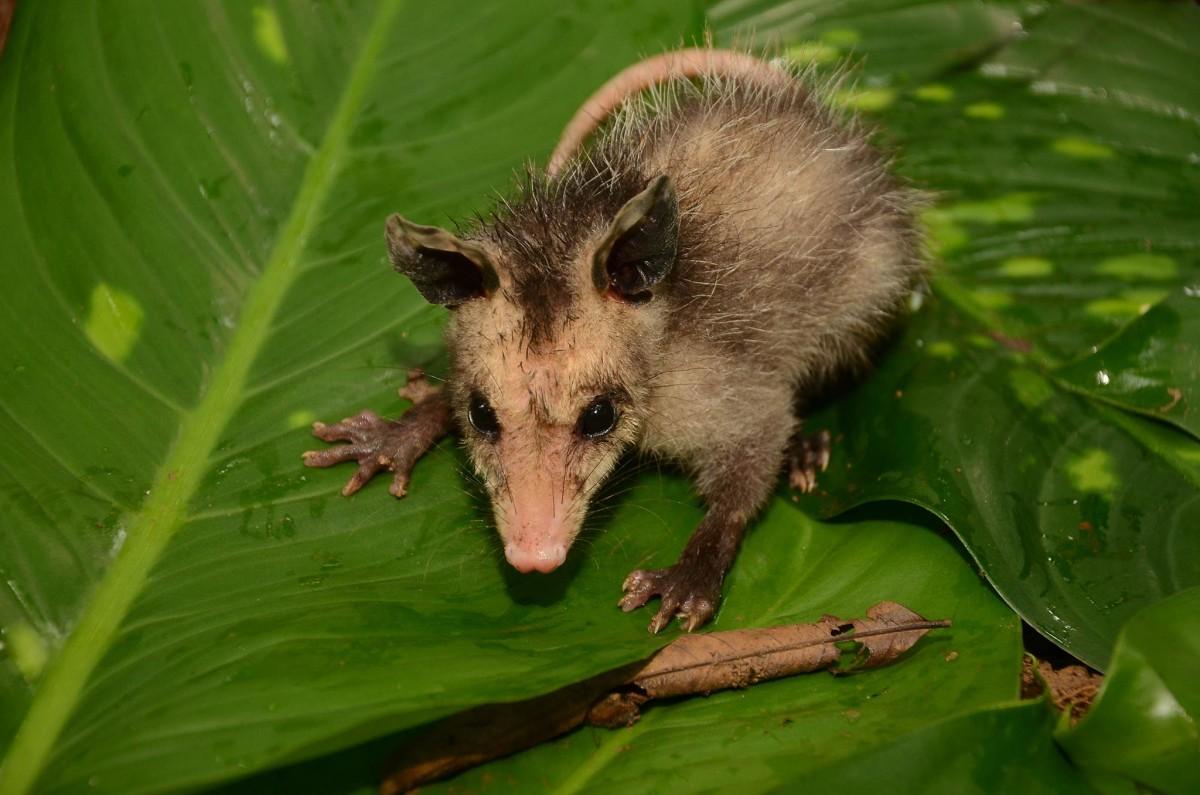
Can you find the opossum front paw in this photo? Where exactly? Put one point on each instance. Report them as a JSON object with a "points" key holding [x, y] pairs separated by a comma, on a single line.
{"points": [[692, 594], [808, 454], [377, 443], [368, 435]]}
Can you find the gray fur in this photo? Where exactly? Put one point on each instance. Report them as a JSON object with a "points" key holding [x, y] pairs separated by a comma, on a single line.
{"points": [[794, 249]]}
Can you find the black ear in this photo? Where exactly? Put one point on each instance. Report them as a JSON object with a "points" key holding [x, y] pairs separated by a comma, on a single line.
{"points": [[638, 251], [445, 269]]}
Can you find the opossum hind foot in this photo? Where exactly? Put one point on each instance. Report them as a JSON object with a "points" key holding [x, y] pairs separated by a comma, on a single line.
{"points": [[808, 454], [689, 589]]}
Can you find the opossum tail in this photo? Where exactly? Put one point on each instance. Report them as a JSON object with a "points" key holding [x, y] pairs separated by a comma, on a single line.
{"points": [[678, 65]]}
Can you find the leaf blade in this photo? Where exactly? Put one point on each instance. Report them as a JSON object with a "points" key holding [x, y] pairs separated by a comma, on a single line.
{"points": [[255, 537], [1143, 725], [151, 527], [1059, 224]]}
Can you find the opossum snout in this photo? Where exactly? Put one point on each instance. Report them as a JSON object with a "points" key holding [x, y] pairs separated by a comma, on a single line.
{"points": [[535, 536], [536, 524], [544, 557]]}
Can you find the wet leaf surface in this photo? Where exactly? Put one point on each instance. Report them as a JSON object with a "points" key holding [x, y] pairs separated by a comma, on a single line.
{"points": [[1064, 185], [1152, 366], [697, 664], [192, 199], [1078, 514], [1144, 727], [1000, 750], [752, 738]]}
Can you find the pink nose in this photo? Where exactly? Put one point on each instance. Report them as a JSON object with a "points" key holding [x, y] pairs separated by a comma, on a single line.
{"points": [[538, 558]]}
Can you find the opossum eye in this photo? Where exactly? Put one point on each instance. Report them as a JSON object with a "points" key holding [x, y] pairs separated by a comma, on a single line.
{"points": [[598, 419], [482, 417]]}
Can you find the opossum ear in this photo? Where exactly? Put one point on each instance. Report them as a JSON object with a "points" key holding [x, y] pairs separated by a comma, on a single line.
{"points": [[638, 250], [445, 269]]}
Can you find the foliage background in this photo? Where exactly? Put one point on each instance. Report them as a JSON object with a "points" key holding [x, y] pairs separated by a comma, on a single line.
{"points": [[191, 199]]}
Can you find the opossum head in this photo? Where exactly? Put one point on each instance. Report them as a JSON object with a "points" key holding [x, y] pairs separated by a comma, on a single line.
{"points": [[552, 336]]}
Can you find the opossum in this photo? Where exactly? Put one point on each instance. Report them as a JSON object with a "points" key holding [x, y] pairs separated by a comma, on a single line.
{"points": [[679, 285]]}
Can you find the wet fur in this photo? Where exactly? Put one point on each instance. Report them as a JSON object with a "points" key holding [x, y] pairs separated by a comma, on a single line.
{"points": [[796, 248]]}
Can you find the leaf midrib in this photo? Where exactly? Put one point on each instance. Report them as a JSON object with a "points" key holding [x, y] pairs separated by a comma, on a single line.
{"points": [[177, 479]]}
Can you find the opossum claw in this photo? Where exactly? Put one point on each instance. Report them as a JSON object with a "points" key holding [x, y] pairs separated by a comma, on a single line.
{"points": [[689, 593], [377, 443], [808, 454]]}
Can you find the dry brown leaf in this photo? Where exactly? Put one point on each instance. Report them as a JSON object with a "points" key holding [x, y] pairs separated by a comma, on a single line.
{"points": [[7, 10], [495, 730], [714, 661], [1072, 688], [692, 664]]}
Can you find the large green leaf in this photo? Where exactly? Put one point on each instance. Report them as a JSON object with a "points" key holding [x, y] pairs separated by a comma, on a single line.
{"points": [[1078, 514], [759, 739], [192, 199], [754, 739], [190, 204], [1001, 750], [889, 41], [1145, 723], [996, 751], [1153, 365], [1066, 184]]}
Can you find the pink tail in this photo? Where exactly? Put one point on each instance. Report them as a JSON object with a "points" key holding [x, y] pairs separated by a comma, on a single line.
{"points": [[677, 65]]}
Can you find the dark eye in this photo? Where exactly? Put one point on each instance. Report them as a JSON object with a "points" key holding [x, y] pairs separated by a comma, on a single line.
{"points": [[482, 417], [598, 419]]}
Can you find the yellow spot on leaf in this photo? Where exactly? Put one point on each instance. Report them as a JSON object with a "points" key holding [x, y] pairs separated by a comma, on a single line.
{"points": [[1082, 148], [991, 298], [934, 92], [987, 111], [826, 50], [841, 37], [865, 99], [943, 349], [113, 322], [1009, 208], [301, 418], [27, 649], [1140, 266], [812, 52], [944, 235], [1111, 307], [1093, 472], [981, 341], [1031, 389], [1026, 267], [268, 34], [1128, 304]]}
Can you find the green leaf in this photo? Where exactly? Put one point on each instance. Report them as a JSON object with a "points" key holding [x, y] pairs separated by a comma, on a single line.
{"points": [[1145, 724], [1065, 185], [1153, 365], [193, 199], [998, 750], [890, 40], [792, 569], [1078, 514], [1001, 750]]}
